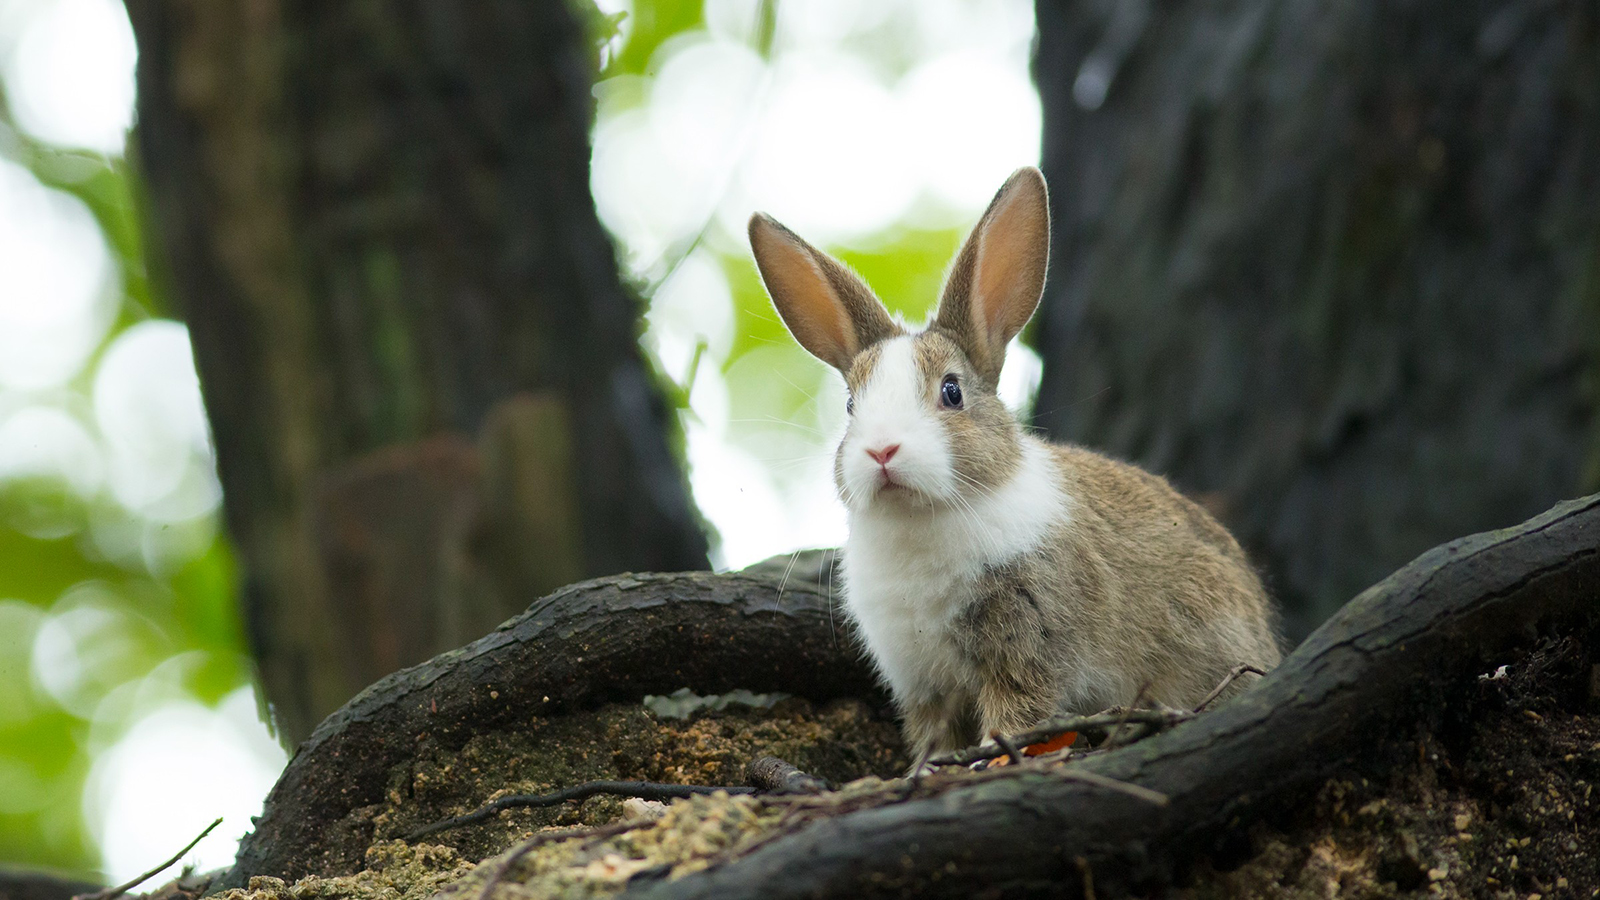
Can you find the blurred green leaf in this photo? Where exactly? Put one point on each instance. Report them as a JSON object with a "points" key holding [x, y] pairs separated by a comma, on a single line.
{"points": [[38, 571], [906, 269], [49, 748], [653, 24], [111, 624]]}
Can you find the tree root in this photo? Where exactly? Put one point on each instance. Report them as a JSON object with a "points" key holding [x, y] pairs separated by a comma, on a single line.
{"points": [[1400, 657], [1395, 656], [611, 639]]}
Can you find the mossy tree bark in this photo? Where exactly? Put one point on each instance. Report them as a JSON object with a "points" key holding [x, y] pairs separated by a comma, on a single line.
{"points": [[419, 362], [1333, 267]]}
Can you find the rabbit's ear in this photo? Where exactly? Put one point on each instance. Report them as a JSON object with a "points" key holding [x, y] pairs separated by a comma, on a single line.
{"points": [[997, 279], [828, 309]]}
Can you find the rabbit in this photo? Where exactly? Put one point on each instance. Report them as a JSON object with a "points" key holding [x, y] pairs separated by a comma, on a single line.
{"points": [[996, 579]]}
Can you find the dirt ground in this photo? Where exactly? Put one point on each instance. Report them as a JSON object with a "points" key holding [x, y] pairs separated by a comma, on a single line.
{"points": [[1500, 802], [1496, 801], [839, 742], [842, 741]]}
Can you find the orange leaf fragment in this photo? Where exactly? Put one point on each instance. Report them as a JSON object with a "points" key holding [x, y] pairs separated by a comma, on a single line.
{"points": [[1060, 741]]}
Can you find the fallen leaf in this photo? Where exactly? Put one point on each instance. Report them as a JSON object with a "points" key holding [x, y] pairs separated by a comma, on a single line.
{"points": [[1060, 741]]}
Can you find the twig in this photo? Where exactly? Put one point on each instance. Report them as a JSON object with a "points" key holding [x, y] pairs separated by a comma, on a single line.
{"points": [[769, 773], [550, 837], [1073, 773], [645, 790], [114, 892], [1233, 675], [1155, 719], [1115, 737], [1008, 746], [1088, 876], [1068, 770]]}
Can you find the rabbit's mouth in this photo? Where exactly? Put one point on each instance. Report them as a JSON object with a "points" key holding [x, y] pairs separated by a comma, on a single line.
{"points": [[888, 482], [892, 494], [895, 491]]}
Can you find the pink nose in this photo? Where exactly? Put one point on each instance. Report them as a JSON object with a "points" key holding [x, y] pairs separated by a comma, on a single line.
{"points": [[883, 456]]}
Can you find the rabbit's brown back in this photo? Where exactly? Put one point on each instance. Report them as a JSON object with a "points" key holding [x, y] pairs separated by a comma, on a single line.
{"points": [[1153, 596], [1158, 580]]}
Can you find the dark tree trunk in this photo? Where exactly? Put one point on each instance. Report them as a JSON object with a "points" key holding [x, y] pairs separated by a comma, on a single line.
{"points": [[420, 365], [1335, 268]]}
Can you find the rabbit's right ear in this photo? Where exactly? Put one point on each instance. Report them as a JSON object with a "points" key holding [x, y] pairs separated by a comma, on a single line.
{"points": [[828, 309], [997, 279]]}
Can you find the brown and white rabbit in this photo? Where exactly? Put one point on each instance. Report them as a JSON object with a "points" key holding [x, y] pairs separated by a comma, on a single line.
{"points": [[998, 579]]}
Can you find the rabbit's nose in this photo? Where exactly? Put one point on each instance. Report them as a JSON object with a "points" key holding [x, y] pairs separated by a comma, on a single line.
{"points": [[883, 455]]}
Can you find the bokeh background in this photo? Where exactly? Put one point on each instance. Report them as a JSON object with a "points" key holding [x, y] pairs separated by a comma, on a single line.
{"points": [[128, 718], [1334, 269]]}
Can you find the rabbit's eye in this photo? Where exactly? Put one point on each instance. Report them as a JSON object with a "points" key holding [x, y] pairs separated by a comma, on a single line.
{"points": [[950, 392], [849, 404]]}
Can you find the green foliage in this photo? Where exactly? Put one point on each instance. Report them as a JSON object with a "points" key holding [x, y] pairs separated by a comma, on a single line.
{"points": [[653, 24], [114, 621], [106, 186], [905, 268]]}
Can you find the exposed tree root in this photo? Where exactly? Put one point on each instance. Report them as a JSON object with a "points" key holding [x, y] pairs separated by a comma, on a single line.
{"points": [[611, 639], [1394, 656], [1395, 659]]}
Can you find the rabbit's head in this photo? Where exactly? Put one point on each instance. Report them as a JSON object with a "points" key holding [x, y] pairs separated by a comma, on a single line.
{"points": [[926, 427]]}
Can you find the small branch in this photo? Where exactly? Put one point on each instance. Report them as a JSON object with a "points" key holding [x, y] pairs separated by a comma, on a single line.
{"points": [[1117, 734], [1088, 876], [1073, 773], [1009, 746], [771, 774], [644, 790], [1153, 719], [1230, 678], [114, 892]]}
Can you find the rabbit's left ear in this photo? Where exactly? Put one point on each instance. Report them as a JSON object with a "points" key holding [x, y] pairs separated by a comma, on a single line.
{"points": [[828, 309], [998, 277]]}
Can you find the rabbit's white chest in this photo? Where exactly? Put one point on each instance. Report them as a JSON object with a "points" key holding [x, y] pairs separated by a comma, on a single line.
{"points": [[908, 576]]}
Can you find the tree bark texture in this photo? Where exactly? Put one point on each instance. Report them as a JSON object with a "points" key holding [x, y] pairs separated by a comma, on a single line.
{"points": [[1396, 656], [419, 363], [612, 639], [1335, 268]]}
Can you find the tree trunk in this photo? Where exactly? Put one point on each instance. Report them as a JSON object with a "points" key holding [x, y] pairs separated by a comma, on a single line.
{"points": [[419, 363], [1333, 267]]}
